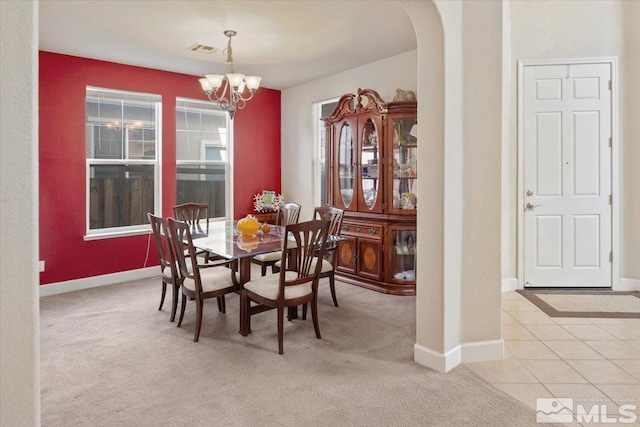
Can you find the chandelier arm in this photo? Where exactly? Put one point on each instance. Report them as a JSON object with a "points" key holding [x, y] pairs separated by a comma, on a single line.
{"points": [[224, 92], [240, 103], [248, 98]]}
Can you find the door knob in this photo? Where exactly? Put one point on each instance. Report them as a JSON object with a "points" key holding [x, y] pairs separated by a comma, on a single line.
{"points": [[530, 206]]}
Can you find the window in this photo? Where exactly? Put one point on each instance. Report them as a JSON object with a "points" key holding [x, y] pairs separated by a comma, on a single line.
{"points": [[122, 146], [203, 153], [322, 110]]}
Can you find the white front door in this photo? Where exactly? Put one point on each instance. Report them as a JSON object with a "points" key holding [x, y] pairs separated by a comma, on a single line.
{"points": [[567, 175]]}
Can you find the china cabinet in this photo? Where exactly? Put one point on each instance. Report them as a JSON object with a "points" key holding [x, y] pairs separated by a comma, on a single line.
{"points": [[371, 174]]}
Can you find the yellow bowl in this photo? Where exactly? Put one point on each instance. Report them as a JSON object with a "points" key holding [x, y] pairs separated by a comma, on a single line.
{"points": [[248, 225]]}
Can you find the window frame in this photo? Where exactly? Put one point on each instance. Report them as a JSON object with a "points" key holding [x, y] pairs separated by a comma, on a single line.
{"points": [[319, 162], [127, 230], [228, 164]]}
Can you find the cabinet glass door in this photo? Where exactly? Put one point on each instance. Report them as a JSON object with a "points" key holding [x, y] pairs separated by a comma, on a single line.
{"points": [[404, 157], [369, 156], [403, 264], [346, 164]]}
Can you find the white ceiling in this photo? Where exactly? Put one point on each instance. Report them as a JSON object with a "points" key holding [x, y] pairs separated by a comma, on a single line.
{"points": [[285, 42]]}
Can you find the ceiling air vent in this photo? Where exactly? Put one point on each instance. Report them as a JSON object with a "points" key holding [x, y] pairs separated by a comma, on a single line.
{"points": [[199, 47]]}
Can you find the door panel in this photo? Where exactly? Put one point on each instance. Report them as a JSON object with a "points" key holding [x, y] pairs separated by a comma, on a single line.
{"points": [[370, 258], [567, 175], [347, 255], [548, 154]]}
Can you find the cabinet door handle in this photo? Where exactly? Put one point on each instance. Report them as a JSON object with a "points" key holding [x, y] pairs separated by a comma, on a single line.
{"points": [[358, 229], [372, 231], [345, 227]]}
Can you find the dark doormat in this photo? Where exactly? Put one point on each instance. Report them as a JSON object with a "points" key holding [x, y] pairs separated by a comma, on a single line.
{"points": [[568, 303]]}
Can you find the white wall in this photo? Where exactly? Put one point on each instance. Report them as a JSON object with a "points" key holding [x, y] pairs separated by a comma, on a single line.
{"points": [[298, 121], [19, 326], [481, 287], [578, 29], [630, 134]]}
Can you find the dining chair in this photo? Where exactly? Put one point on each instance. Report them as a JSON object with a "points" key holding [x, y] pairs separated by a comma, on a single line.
{"points": [[193, 214], [168, 266], [334, 216], [288, 213], [199, 281], [293, 286]]}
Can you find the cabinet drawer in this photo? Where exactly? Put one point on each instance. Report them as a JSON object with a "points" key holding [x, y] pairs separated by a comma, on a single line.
{"points": [[371, 231]]}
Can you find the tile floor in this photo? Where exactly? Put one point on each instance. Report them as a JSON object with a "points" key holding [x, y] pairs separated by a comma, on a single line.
{"points": [[594, 359]]}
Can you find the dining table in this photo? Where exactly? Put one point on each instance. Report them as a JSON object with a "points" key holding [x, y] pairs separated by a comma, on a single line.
{"points": [[224, 239]]}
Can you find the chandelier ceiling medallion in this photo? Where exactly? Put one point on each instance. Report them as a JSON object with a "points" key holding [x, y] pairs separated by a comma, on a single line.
{"points": [[233, 83]]}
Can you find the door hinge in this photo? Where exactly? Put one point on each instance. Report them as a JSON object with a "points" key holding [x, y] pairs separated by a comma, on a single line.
{"points": [[384, 206], [610, 85], [610, 142], [611, 199], [611, 256]]}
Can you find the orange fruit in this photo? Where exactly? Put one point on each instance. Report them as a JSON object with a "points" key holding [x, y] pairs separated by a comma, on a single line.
{"points": [[266, 228]]}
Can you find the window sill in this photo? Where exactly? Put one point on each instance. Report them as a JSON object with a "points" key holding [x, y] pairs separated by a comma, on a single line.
{"points": [[115, 234]]}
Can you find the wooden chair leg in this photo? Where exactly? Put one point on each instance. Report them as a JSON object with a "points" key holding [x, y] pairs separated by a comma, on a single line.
{"points": [[274, 269], [314, 315], [174, 302], [304, 311], [280, 329], [263, 269], [164, 292], [219, 304], [224, 304], [182, 307], [332, 285], [199, 307]]}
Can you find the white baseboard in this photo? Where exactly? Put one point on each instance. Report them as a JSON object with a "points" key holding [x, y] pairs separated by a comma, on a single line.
{"points": [[510, 284], [627, 285], [437, 361], [95, 281], [482, 351]]}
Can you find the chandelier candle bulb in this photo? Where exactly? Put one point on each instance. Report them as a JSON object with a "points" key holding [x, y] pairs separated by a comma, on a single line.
{"points": [[205, 85], [215, 81], [253, 82], [235, 80]]}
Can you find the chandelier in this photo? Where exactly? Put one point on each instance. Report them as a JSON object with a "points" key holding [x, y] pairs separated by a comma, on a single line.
{"points": [[233, 83]]}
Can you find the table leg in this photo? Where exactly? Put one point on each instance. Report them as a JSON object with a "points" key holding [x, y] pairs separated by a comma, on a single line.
{"points": [[244, 272]]}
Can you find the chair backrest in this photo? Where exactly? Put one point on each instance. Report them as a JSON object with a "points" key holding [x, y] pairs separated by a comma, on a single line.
{"points": [[192, 213], [334, 216], [161, 236], [331, 214], [309, 240], [288, 213], [180, 234]]}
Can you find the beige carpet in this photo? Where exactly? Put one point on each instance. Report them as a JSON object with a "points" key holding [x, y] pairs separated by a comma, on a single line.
{"points": [[567, 303], [110, 358]]}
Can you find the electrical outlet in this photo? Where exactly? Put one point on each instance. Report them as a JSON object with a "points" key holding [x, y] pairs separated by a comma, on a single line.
{"points": [[41, 265]]}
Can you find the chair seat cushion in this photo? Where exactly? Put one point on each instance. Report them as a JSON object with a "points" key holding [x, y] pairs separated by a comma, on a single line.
{"points": [[326, 266], [166, 271], [213, 279], [269, 257], [268, 286]]}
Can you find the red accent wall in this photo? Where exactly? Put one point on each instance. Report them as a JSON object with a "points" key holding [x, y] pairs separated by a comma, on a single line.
{"points": [[63, 80]]}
